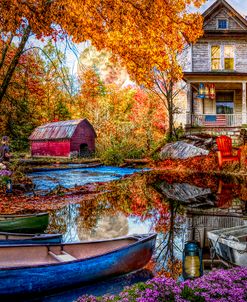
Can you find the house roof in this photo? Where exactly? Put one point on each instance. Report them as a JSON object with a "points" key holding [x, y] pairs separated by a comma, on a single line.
{"points": [[214, 8], [57, 130], [215, 76]]}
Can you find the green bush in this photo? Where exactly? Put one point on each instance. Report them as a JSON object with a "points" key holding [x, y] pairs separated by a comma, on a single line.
{"points": [[112, 156]]}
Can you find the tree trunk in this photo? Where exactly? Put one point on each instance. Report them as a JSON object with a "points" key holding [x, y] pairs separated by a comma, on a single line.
{"points": [[170, 118], [14, 63]]}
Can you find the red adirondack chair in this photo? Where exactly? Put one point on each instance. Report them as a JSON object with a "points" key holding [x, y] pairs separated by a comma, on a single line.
{"points": [[225, 150]]}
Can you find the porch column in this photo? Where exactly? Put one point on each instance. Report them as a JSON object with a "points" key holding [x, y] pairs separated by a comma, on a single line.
{"points": [[189, 105], [244, 118]]}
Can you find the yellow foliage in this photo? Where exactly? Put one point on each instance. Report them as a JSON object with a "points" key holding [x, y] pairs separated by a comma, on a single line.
{"points": [[144, 34]]}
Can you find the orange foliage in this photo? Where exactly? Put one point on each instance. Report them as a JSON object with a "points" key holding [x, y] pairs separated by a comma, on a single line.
{"points": [[143, 34], [196, 164], [174, 269], [149, 116], [91, 85]]}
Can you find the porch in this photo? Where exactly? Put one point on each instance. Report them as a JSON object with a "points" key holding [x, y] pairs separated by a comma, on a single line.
{"points": [[215, 120], [216, 100]]}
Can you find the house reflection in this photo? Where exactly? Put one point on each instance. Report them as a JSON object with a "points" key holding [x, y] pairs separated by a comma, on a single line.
{"points": [[106, 227], [229, 212]]}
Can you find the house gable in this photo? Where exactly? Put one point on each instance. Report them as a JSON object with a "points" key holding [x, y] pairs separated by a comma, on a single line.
{"points": [[231, 41], [222, 10]]}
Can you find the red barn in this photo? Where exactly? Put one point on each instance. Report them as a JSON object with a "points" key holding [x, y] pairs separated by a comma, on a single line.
{"points": [[63, 139]]}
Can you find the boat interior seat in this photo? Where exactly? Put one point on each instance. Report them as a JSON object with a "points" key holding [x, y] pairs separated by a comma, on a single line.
{"points": [[63, 257]]}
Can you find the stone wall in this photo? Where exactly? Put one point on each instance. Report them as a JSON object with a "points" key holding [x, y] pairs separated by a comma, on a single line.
{"points": [[233, 132]]}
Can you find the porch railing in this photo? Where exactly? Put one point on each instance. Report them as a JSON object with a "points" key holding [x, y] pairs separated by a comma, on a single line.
{"points": [[215, 120]]}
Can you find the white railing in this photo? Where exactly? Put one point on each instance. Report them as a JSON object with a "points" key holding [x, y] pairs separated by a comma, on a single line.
{"points": [[216, 120]]}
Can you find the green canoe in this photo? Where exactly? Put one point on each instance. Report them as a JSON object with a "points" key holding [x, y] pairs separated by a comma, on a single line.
{"points": [[25, 223]]}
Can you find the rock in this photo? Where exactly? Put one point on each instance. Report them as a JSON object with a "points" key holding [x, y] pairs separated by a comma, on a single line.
{"points": [[204, 142], [188, 194], [181, 150]]}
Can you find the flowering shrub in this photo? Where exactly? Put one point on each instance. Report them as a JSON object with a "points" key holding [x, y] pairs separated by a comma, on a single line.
{"points": [[220, 285], [4, 173], [4, 176]]}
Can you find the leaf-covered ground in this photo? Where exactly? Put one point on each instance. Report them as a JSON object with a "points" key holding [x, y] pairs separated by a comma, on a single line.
{"points": [[180, 170], [20, 203]]}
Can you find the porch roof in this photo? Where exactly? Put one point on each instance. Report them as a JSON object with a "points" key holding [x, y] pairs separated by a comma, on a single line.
{"points": [[215, 77]]}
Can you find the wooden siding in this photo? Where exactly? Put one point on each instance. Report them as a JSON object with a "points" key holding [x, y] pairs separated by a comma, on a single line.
{"points": [[209, 106], [84, 134], [240, 56], [50, 148], [222, 14], [201, 55], [197, 105], [238, 102]]}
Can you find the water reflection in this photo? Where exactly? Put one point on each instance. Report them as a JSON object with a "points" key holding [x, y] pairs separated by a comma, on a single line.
{"points": [[172, 205], [188, 194], [111, 286]]}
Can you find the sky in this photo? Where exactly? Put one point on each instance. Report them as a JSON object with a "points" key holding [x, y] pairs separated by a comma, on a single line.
{"points": [[239, 5]]}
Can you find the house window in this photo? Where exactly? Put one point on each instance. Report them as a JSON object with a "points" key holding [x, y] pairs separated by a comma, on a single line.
{"points": [[228, 57], [224, 102], [222, 24], [215, 57], [222, 57]]}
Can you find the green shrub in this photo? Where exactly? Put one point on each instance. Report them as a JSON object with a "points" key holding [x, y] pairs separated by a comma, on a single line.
{"points": [[112, 156]]}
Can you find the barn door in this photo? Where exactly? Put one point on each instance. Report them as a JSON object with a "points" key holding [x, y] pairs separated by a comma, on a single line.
{"points": [[84, 152]]}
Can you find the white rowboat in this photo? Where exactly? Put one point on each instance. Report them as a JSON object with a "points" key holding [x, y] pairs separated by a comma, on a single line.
{"points": [[230, 244]]}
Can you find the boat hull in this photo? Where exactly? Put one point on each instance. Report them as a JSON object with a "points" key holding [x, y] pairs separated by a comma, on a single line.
{"points": [[24, 223], [23, 281], [20, 238]]}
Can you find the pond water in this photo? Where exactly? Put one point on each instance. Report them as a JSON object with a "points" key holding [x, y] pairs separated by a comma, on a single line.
{"points": [[46, 181], [178, 207]]}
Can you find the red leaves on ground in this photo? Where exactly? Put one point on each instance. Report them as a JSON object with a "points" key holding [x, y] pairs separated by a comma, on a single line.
{"points": [[19, 203]]}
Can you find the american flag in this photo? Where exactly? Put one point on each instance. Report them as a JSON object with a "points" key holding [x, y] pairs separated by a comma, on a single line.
{"points": [[218, 120]]}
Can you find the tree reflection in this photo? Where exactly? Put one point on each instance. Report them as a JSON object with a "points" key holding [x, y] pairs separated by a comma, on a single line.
{"points": [[136, 197], [164, 199]]}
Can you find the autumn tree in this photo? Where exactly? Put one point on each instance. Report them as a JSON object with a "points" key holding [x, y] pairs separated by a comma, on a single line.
{"points": [[148, 117], [60, 91], [138, 32], [144, 36], [40, 92], [149, 39], [92, 85], [168, 87], [19, 114]]}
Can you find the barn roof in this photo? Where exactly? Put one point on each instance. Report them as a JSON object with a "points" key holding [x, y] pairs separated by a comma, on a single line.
{"points": [[57, 130]]}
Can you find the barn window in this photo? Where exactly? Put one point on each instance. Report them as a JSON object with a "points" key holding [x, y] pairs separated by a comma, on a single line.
{"points": [[222, 24]]}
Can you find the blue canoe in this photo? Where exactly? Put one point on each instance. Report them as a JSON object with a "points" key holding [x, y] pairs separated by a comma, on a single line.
{"points": [[21, 238], [28, 270]]}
